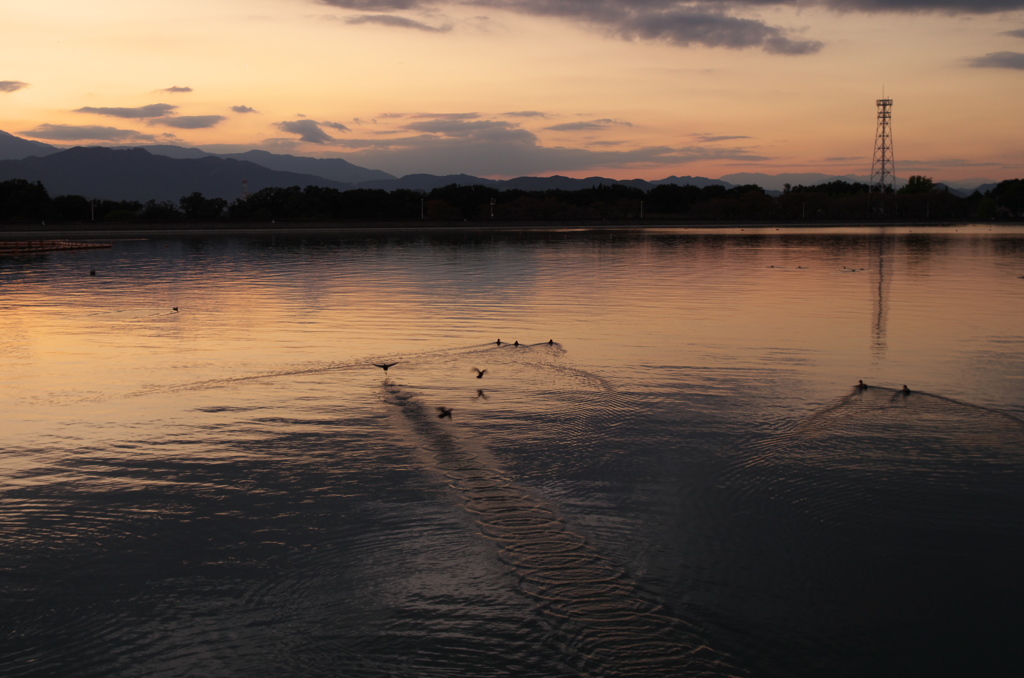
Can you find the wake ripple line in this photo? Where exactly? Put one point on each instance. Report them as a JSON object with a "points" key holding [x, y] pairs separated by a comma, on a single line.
{"points": [[609, 627]]}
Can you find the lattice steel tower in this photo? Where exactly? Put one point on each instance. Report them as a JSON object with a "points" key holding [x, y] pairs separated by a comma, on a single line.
{"points": [[883, 167]]}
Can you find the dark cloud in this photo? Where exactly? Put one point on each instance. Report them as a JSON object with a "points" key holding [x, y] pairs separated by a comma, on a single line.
{"points": [[308, 130], [176, 89], [687, 27], [1019, 33], [336, 125], [525, 114], [87, 133], [1014, 60], [944, 6], [374, 5], [397, 22], [489, 147], [684, 23], [605, 11], [150, 111], [189, 121], [588, 125], [12, 85], [243, 109]]}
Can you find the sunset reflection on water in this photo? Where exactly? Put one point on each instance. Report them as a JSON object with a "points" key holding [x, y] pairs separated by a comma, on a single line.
{"points": [[686, 457]]}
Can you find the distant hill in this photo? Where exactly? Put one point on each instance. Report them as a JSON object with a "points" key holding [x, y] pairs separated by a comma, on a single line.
{"points": [[16, 148], [136, 174], [158, 173], [335, 169]]}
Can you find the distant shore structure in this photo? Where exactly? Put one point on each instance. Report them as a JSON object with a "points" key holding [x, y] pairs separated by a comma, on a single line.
{"points": [[883, 164], [35, 246]]}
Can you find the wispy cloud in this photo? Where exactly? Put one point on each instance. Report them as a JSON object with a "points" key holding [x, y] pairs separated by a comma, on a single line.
{"points": [[12, 85], [464, 129], [243, 109], [1014, 60], [87, 133], [711, 138], [453, 146], [397, 22], [589, 125], [1019, 33], [177, 90], [943, 163], [189, 121], [140, 112], [445, 116], [526, 114]]}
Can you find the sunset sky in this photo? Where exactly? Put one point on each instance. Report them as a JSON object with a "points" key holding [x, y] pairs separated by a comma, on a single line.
{"points": [[504, 88]]}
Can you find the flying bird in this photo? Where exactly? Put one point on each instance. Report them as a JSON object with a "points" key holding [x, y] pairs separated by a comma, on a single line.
{"points": [[443, 412], [385, 366], [479, 372]]}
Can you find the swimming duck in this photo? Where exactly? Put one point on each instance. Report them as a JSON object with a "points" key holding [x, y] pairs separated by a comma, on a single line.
{"points": [[905, 390]]}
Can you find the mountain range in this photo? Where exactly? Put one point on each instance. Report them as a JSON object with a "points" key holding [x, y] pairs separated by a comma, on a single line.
{"points": [[167, 173]]}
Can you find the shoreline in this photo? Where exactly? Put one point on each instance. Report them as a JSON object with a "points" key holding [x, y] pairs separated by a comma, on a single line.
{"points": [[92, 230]]}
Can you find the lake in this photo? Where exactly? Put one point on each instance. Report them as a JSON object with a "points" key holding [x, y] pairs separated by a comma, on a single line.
{"points": [[665, 468]]}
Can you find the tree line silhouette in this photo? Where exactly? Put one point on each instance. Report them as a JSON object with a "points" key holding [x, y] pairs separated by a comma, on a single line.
{"points": [[26, 202]]}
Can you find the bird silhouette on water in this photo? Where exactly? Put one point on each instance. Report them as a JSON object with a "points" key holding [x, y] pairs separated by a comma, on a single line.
{"points": [[905, 390], [516, 343], [175, 309], [861, 385], [498, 342], [384, 366], [443, 412], [479, 372], [551, 342]]}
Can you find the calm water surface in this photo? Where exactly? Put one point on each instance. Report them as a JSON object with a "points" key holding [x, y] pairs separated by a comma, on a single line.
{"points": [[671, 474]]}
